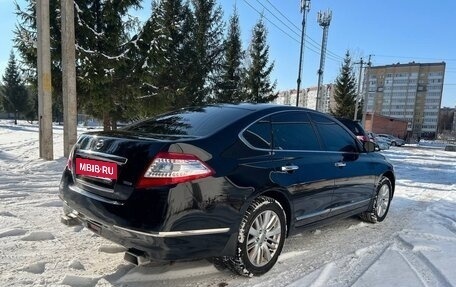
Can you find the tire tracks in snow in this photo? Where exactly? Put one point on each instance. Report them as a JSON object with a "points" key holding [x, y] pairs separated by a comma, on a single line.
{"points": [[423, 268]]}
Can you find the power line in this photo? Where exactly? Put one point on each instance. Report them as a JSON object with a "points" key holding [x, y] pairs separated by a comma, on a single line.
{"points": [[327, 51], [330, 57], [288, 19], [313, 42], [275, 16], [259, 13]]}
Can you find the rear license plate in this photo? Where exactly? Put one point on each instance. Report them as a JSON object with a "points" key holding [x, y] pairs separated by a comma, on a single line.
{"points": [[96, 168]]}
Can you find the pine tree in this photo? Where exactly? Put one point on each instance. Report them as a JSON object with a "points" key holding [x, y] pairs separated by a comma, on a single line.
{"points": [[229, 86], [208, 37], [259, 88], [345, 91], [14, 98]]}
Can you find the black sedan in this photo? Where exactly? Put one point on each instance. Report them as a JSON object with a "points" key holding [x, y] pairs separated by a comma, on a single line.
{"points": [[226, 182]]}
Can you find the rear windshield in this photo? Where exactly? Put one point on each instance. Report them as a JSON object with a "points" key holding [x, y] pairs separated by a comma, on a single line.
{"points": [[192, 122]]}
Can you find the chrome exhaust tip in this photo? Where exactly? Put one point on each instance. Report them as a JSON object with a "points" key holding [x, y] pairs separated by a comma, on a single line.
{"points": [[136, 257]]}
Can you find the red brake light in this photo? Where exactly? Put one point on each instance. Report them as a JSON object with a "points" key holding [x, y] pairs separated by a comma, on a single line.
{"points": [[70, 160], [172, 168]]}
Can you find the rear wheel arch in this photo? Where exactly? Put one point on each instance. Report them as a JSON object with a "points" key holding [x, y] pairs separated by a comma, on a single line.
{"points": [[380, 204], [392, 179], [284, 202]]}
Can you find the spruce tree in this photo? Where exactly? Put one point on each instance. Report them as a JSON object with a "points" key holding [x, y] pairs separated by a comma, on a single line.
{"points": [[229, 87], [167, 49], [104, 81], [259, 88], [102, 45], [208, 37], [345, 91], [25, 42], [14, 98]]}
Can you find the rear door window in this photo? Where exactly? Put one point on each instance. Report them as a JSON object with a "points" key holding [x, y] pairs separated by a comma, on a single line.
{"points": [[259, 135], [334, 136], [293, 131]]}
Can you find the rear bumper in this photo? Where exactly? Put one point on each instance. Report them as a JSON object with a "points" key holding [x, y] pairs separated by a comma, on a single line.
{"points": [[164, 224], [161, 246]]}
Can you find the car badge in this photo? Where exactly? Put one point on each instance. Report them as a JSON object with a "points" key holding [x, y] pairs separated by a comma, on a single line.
{"points": [[99, 144]]}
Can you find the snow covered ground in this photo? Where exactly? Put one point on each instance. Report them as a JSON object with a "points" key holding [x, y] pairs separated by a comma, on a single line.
{"points": [[414, 246]]}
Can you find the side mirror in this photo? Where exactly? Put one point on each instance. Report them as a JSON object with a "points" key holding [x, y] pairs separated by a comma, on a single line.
{"points": [[369, 146]]}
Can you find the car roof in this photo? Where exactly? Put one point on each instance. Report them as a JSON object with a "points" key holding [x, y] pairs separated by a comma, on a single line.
{"points": [[204, 120]]}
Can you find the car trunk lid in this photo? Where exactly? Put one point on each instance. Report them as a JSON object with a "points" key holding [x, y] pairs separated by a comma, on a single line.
{"points": [[109, 164]]}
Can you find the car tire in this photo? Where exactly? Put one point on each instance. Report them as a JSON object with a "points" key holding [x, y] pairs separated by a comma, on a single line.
{"points": [[380, 205], [261, 237]]}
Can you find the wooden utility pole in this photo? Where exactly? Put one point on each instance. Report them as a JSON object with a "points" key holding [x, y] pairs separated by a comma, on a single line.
{"points": [[70, 116], [44, 81]]}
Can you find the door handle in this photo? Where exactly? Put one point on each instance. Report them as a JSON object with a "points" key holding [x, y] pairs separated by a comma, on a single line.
{"points": [[340, 164], [289, 168]]}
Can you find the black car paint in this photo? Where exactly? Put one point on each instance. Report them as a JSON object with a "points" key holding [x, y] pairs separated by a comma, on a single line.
{"points": [[317, 192]]}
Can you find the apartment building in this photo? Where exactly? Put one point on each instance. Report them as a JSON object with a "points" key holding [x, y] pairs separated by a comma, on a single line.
{"points": [[288, 98], [308, 98], [412, 92]]}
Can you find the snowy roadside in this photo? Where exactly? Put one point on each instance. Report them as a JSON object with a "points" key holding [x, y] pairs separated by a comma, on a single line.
{"points": [[414, 246]]}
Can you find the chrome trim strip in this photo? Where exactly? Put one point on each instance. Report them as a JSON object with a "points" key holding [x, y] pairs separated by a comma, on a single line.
{"points": [[350, 205], [176, 233], [320, 213], [102, 156], [93, 196], [273, 150], [91, 185]]}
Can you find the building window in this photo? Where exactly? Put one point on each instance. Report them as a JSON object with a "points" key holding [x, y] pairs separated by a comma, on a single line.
{"points": [[435, 74]]}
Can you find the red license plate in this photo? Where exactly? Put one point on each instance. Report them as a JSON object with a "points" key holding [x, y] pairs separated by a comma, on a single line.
{"points": [[96, 168]]}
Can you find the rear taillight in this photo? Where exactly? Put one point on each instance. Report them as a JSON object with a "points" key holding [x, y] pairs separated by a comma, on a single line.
{"points": [[70, 160], [172, 168]]}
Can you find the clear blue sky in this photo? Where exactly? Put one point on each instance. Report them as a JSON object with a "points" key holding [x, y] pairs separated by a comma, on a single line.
{"points": [[392, 31]]}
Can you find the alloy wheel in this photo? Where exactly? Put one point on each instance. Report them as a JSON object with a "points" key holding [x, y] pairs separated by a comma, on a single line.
{"points": [[383, 198], [263, 238]]}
